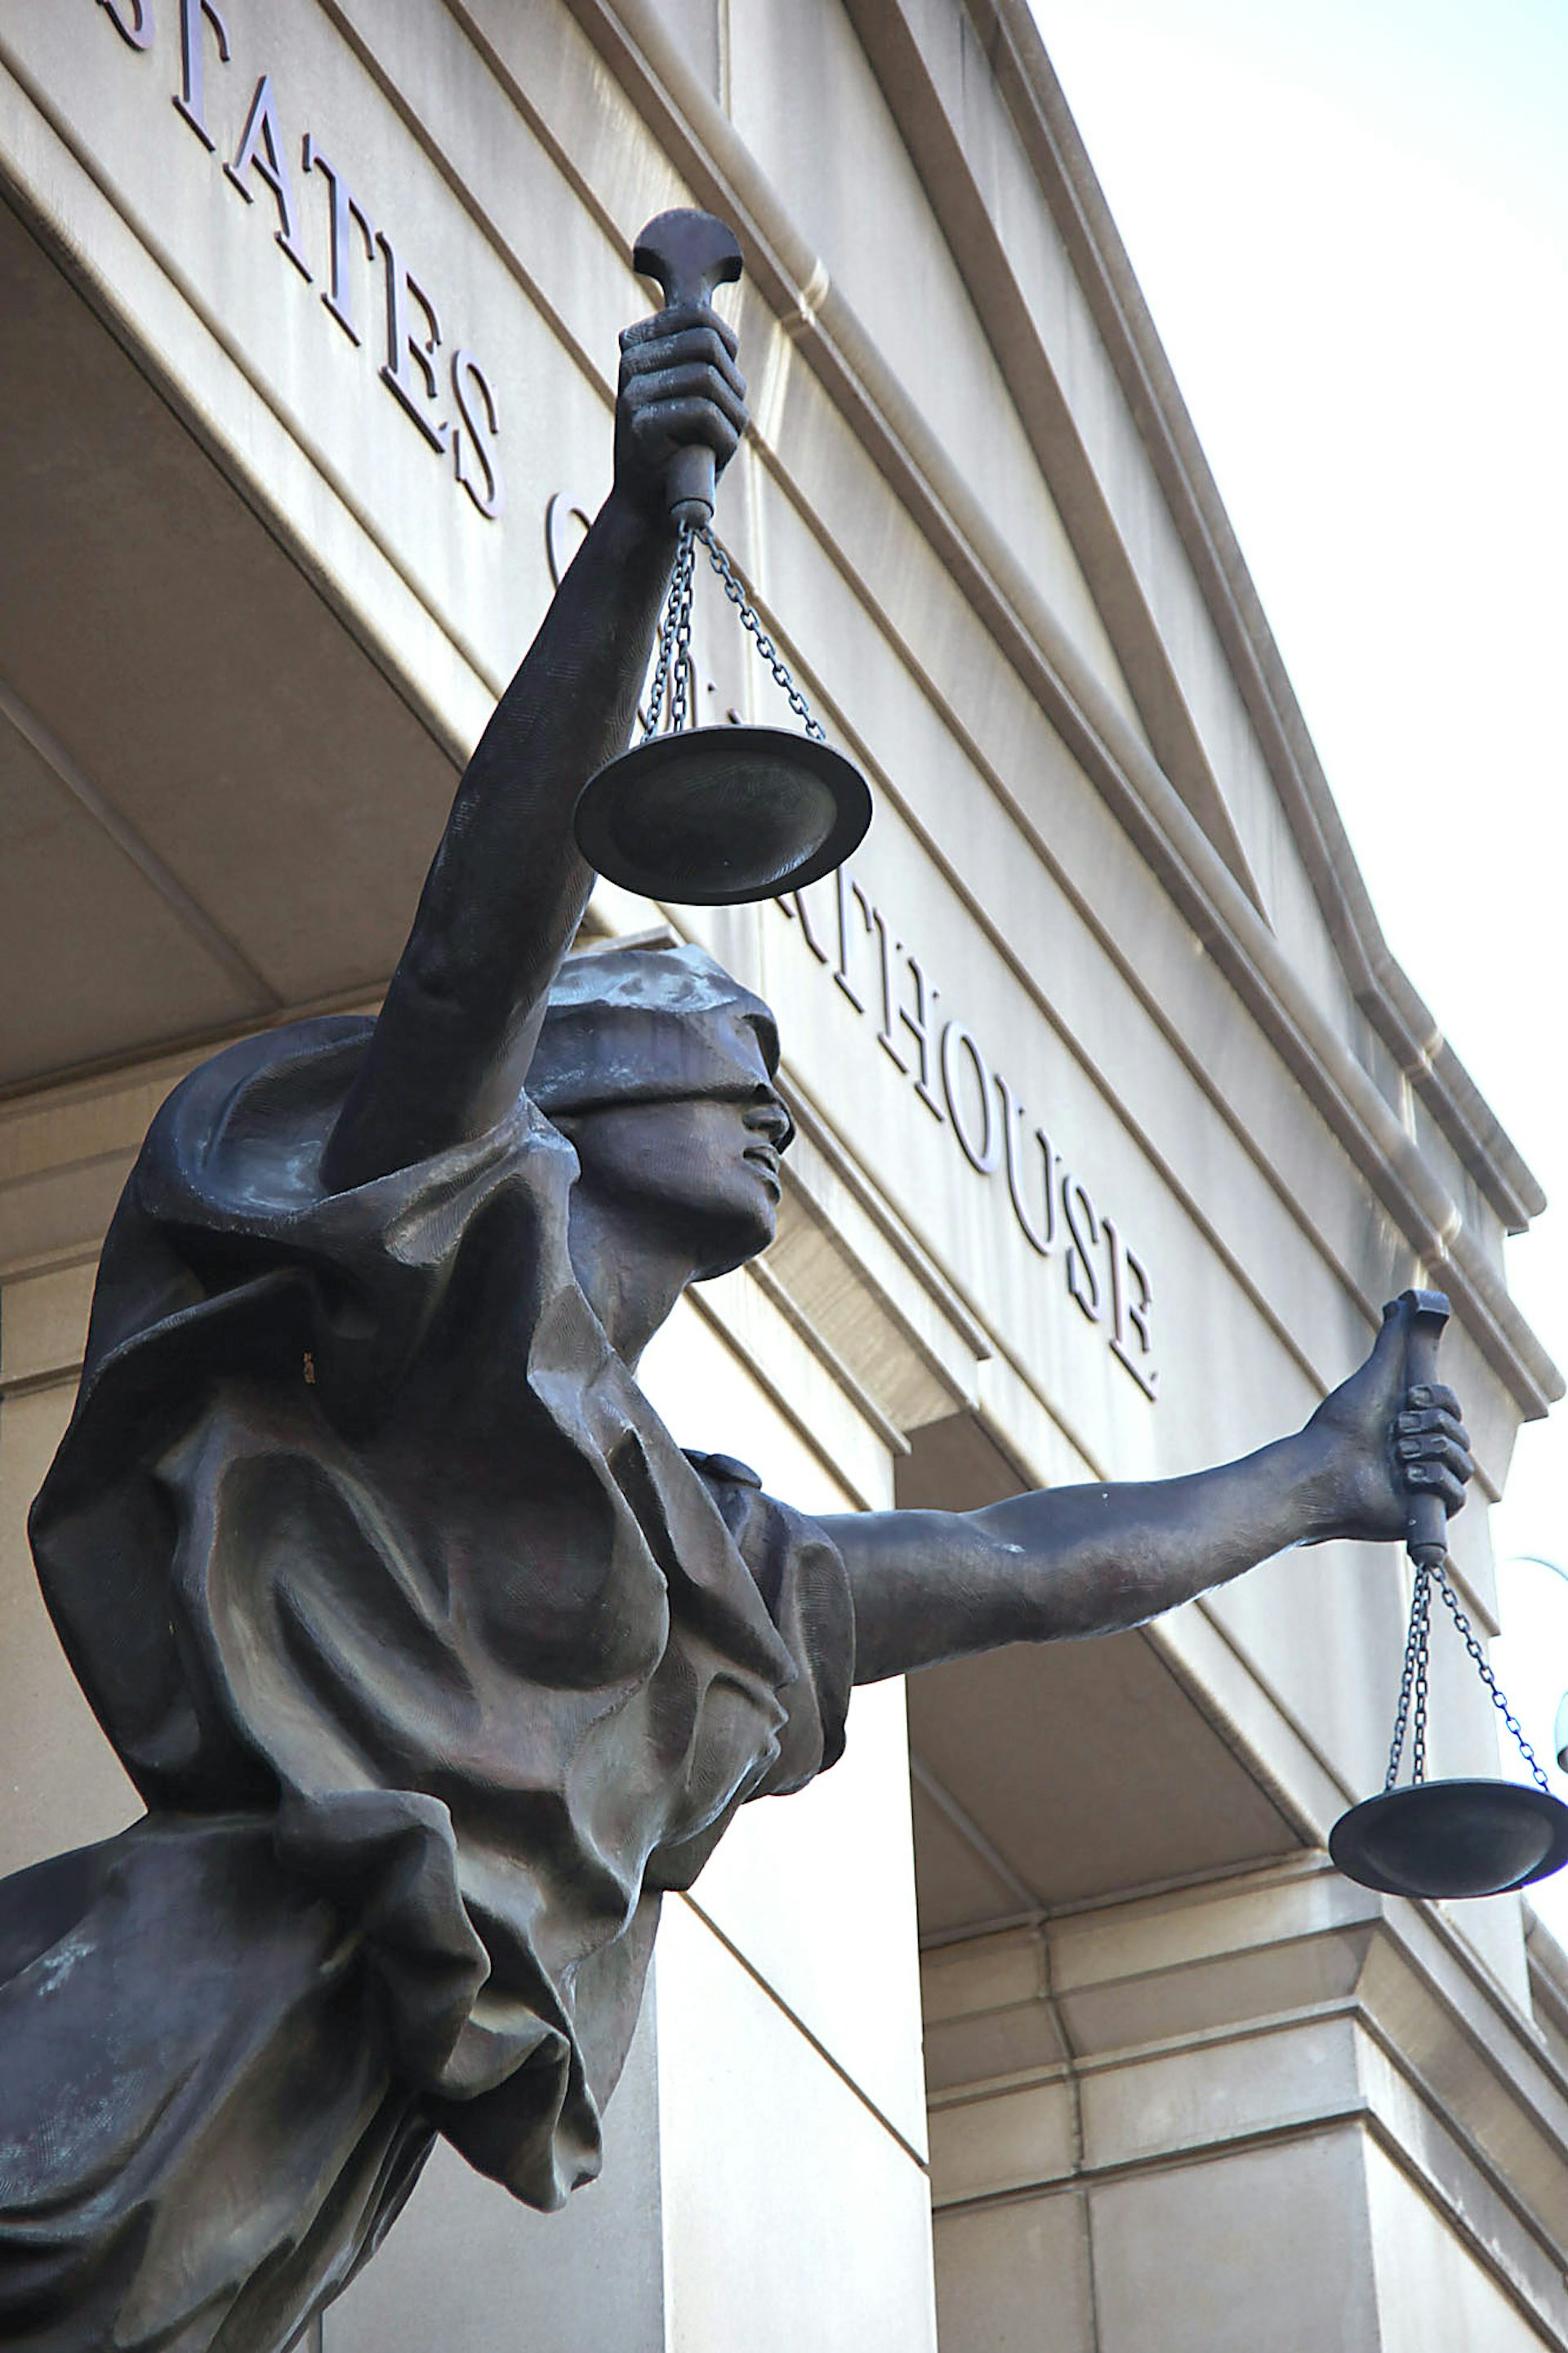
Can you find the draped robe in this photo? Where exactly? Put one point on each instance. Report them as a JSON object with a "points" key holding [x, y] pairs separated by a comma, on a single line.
{"points": [[436, 1663]]}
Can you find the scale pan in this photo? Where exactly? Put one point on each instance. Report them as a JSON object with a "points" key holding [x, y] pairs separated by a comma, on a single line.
{"points": [[1452, 1838], [716, 816]]}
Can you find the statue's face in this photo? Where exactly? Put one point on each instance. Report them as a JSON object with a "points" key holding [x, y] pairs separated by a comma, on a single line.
{"points": [[703, 1171]]}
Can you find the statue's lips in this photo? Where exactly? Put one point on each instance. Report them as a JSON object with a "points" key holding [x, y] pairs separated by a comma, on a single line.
{"points": [[763, 1157]]}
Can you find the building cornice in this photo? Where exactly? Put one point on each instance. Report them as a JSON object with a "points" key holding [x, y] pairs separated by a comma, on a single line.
{"points": [[1083, 220]]}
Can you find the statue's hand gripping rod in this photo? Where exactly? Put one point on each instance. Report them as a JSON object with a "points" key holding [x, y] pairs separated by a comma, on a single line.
{"points": [[690, 253]]}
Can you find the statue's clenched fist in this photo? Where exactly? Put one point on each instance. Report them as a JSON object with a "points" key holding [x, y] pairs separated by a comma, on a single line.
{"points": [[680, 388], [1384, 1441]]}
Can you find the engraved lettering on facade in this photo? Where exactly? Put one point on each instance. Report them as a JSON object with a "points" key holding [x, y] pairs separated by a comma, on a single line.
{"points": [[190, 100], [1131, 1304], [138, 31], [1083, 1247], [1107, 1281], [476, 430], [918, 1017], [413, 333], [344, 211], [416, 370], [260, 151], [969, 1099], [886, 949], [1041, 1238], [854, 915]]}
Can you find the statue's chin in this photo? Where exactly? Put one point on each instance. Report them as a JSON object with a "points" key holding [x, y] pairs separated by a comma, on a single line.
{"points": [[735, 1240]]}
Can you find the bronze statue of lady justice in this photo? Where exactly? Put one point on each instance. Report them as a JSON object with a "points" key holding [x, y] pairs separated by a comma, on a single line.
{"points": [[436, 1661]]}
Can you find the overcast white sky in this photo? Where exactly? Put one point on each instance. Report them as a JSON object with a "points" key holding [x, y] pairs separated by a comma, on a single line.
{"points": [[1351, 223]]}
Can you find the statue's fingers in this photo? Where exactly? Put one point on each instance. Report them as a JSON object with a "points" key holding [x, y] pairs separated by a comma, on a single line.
{"points": [[681, 315], [1413, 1419], [700, 345], [688, 387], [1435, 1478], [692, 379], [1433, 1393], [694, 349], [1444, 1444], [1453, 1491], [677, 424], [1436, 1446], [671, 321]]}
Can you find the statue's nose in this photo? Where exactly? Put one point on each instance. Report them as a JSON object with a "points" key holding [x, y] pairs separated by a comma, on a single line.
{"points": [[766, 1115]]}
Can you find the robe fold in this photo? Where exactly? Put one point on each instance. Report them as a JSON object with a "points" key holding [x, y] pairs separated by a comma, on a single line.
{"points": [[363, 1541]]}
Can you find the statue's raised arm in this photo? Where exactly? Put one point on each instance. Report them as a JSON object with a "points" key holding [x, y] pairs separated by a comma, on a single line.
{"points": [[506, 889]]}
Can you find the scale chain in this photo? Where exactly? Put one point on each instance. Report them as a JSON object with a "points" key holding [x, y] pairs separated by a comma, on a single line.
{"points": [[1483, 1668], [672, 671], [1411, 1713], [719, 558], [1412, 1684], [674, 643], [680, 675], [1418, 1705]]}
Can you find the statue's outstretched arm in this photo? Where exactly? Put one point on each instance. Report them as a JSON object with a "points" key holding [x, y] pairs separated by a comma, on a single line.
{"points": [[506, 889], [1072, 1561]]}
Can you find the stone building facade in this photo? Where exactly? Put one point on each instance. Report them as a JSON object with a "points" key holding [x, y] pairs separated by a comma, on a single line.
{"points": [[1117, 1121]]}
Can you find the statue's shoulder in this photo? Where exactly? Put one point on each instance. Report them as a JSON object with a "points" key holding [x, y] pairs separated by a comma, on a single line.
{"points": [[297, 1054], [800, 1574], [776, 1540], [271, 1080], [248, 1121]]}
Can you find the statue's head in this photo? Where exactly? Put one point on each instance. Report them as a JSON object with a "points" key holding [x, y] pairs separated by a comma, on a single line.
{"points": [[660, 1067]]}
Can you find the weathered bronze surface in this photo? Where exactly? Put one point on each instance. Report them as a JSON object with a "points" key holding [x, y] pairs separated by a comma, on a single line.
{"points": [[721, 815], [1444, 1838], [436, 1661], [1452, 1839], [714, 817]]}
